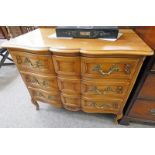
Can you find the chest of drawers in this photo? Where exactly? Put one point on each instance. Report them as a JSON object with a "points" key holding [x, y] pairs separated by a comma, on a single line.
{"points": [[91, 75]]}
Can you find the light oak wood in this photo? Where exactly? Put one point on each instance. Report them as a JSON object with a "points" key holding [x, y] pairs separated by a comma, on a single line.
{"points": [[67, 65], [71, 102], [128, 43], [71, 86], [92, 75]]}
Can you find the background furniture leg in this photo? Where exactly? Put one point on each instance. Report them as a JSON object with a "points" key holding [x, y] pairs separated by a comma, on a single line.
{"points": [[124, 122]]}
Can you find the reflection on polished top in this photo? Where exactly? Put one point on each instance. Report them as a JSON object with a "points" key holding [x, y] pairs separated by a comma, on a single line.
{"points": [[129, 43]]}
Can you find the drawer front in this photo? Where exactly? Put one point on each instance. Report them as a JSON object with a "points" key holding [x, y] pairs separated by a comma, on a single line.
{"points": [[49, 97], [109, 67], [148, 89], [71, 102], [28, 62], [69, 86], [143, 109], [104, 88], [67, 65], [47, 83], [94, 105]]}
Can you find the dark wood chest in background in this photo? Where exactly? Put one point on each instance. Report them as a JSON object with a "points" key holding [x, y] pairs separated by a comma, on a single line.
{"points": [[141, 104]]}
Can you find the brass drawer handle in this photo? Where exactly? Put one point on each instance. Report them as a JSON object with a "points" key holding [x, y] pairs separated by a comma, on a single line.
{"points": [[35, 81], [28, 62], [102, 105], [152, 111], [98, 68], [118, 90]]}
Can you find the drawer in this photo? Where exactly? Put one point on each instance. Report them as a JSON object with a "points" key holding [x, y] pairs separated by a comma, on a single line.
{"points": [[100, 105], [143, 109], [109, 67], [67, 65], [36, 63], [148, 89], [69, 86], [104, 88], [71, 102], [48, 83], [47, 97]]}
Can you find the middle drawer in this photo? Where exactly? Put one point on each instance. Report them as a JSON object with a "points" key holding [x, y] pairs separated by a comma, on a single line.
{"points": [[70, 86], [48, 83], [104, 88]]}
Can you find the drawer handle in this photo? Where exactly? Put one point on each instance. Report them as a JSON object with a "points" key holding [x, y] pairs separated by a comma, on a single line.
{"points": [[118, 90], [102, 105], [152, 111], [37, 64], [35, 81], [127, 68], [112, 69], [28, 62]]}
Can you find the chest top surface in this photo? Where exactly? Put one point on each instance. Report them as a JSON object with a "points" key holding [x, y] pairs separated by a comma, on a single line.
{"points": [[128, 44]]}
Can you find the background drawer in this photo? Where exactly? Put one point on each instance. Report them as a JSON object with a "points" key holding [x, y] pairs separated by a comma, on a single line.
{"points": [[41, 82], [143, 109], [102, 88], [94, 105], [109, 67], [71, 102], [148, 89], [69, 86], [67, 65], [36, 63]]}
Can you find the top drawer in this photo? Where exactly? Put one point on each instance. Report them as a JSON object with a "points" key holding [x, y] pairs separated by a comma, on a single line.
{"points": [[29, 62], [67, 65], [109, 67]]}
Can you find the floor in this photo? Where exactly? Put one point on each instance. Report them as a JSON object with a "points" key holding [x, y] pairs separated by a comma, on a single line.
{"points": [[16, 110]]}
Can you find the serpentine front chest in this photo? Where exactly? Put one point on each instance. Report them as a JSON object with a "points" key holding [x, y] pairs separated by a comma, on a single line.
{"points": [[91, 75]]}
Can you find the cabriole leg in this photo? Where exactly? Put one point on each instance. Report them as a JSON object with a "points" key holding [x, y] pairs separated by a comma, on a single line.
{"points": [[35, 103], [118, 117]]}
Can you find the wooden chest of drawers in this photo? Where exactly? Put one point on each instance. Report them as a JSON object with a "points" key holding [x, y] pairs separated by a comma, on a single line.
{"points": [[91, 75]]}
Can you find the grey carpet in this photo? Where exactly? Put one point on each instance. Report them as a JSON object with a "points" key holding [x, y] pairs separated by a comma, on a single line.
{"points": [[16, 110]]}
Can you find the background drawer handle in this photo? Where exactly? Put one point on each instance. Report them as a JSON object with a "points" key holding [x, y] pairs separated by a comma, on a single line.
{"points": [[112, 69], [152, 111]]}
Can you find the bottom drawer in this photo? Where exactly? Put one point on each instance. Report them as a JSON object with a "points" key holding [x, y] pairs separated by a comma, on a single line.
{"points": [[71, 102], [93, 105], [143, 109], [47, 97]]}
